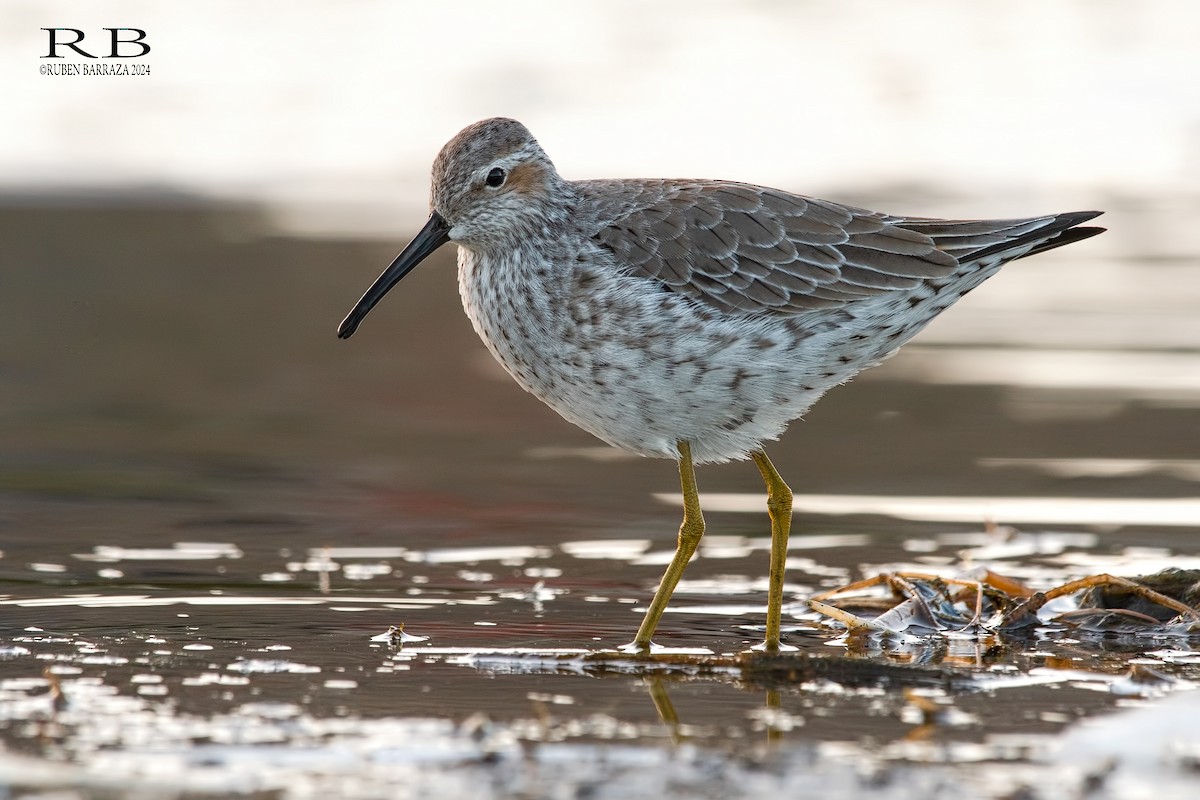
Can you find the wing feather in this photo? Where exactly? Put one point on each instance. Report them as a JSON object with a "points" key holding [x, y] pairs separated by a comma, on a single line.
{"points": [[749, 249]]}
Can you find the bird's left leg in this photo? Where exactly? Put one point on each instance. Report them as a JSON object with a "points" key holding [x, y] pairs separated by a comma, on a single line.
{"points": [[779, 506]]}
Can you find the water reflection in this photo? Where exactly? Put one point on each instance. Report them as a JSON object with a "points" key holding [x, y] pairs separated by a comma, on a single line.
{"points": [[126, 705], [1128, 374], [1182, 511]]}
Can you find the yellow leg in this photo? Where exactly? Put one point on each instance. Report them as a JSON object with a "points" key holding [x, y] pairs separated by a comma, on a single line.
{"points": [[664, 706], [779, 506], [689, 537]]}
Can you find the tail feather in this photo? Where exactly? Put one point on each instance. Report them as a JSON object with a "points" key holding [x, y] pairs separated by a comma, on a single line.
{"points": [[1059, 231], [977, 240], [1069, 236]]}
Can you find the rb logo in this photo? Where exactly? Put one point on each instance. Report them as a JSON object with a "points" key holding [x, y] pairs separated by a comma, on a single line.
{"points": [[114, 50]]}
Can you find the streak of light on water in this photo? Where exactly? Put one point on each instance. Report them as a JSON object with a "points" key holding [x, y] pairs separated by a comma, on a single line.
{"points": [[1105, 511]]}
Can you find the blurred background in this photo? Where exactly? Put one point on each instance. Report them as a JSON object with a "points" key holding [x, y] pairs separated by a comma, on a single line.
{"points": [[199, 481], [180, 246]]}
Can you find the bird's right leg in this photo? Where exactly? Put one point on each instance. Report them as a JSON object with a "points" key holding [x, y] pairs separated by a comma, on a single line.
{"points": [[689, 537]]}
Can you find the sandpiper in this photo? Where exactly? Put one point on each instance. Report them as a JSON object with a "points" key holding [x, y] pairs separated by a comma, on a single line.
{"points": [[690, 319]]}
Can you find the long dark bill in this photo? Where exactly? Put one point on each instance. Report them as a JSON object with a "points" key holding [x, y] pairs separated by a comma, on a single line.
{"points": [[435, 234]]}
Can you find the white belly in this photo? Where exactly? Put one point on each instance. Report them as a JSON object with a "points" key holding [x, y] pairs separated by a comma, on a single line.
{"points": [[639, 367]]}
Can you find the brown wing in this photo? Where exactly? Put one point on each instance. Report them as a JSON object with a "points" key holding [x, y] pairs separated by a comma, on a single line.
{"points": [[750, 249]]}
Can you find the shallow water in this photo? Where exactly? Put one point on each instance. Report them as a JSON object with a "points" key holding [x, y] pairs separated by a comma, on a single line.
{"points": [[211, 508]]}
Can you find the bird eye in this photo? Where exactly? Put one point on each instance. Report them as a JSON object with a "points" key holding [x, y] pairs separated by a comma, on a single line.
{"points": [[495, 177]]}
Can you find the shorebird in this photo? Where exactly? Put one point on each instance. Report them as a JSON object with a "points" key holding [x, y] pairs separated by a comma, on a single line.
{"points": [[690, 319]]}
